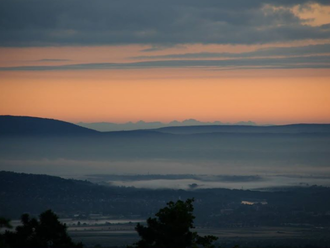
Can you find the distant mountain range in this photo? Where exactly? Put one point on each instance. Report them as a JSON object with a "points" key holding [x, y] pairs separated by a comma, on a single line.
{"points": [[34, 126], [109, 126]]}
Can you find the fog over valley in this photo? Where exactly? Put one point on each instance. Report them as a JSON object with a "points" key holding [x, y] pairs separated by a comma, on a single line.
{"points": [[288, 155]]}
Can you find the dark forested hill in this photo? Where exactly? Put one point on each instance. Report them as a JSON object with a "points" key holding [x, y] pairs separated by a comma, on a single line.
{"points": [[23, 125], [30, 193]]}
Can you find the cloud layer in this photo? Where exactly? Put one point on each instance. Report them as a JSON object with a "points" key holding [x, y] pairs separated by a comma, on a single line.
{"points": [[265, 52], [103, 22], [228, 64]]}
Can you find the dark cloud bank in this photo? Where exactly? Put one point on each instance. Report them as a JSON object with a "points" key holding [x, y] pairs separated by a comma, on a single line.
{"points": [[103, 22]]}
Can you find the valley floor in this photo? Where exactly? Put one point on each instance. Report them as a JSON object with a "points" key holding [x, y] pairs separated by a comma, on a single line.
{"points": [[124, 234]]}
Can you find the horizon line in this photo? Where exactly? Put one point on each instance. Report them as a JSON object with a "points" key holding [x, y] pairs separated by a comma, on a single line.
{"points": [[181, 122]]}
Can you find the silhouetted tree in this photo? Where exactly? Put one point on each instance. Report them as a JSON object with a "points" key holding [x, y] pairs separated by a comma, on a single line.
{"points": [[171, 228], [45, 232], [4, 223]]}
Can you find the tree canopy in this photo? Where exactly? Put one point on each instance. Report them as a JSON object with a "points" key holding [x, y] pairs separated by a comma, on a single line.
{"points": [[47, 232], [172, 228]]}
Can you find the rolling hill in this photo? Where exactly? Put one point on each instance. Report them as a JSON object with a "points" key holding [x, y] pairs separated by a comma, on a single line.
{"points": [[38, 145], [23, 125]]}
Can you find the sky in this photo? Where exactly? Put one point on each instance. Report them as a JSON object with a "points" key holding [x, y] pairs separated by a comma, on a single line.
{"points": [[129, 60]]}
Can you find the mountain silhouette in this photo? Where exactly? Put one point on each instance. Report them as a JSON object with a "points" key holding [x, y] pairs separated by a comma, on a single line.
{"points": [[40, 145], [110, 127], [248, 129], [23, 125]]}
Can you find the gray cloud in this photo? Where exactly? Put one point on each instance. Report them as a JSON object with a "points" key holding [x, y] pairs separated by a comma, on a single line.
{"points": [[246, 63], [154, 48], [102, 22], [265, 52]]}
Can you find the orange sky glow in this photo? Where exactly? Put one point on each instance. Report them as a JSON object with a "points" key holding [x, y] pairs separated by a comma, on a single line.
{"points": [[262, 96]]}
